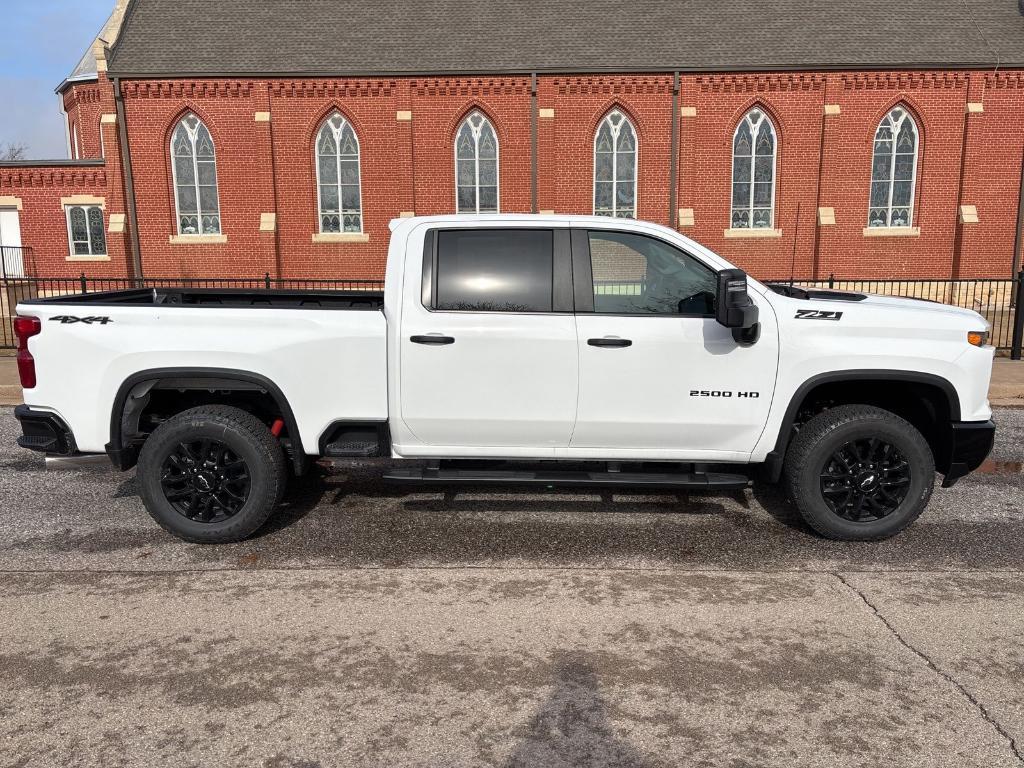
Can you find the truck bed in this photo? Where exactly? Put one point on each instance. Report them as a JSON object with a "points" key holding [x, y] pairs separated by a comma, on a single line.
{"points": [[224, 297]]}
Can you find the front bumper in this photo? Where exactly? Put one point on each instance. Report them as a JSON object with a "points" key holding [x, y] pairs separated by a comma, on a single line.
{"points": [[44, 432], [970, 443]]}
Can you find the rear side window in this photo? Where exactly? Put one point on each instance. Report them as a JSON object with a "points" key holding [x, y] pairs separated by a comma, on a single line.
{"points": [[495, 270]]}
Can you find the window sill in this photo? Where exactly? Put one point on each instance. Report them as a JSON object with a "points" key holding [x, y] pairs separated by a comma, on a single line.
{"points": [[892, 231], [198, 239], [341, 237], [87, 258], [759, 233]]}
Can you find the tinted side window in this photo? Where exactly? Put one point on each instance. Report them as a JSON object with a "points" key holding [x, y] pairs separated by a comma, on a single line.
{"points": [[638, 275], [495, 270]]}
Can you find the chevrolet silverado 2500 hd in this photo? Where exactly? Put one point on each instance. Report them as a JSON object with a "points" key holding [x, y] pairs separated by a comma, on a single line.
{"points": [[604, 351]]}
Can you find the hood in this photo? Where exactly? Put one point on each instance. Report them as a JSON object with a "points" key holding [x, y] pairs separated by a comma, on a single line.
{"points": [[922, 305], [836, 300]]}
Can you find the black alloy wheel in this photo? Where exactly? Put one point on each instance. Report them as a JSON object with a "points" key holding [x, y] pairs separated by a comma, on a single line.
{"points": [[865, 480], [859, 473], [205, 481]]}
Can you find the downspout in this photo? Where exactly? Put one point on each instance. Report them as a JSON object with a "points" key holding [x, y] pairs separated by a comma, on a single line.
{"points": [[67, 125], [1016, 263], [533, 142], [129, 183], [673, 169]]}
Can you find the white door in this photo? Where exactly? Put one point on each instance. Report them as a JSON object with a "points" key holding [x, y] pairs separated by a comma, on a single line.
{"points": [[10, 244], [658, 375], [486, 361]]}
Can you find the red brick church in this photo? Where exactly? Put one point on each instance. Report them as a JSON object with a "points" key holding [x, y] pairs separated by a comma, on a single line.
{"points": [[233, 139]]}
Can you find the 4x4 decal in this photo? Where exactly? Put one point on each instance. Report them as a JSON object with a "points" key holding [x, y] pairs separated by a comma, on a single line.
{"points": [[70, 319], [817, 314]]}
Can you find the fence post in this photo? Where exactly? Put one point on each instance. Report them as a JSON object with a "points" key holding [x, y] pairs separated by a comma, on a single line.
{"points": [[1018, 319], [85, 287], [266, 280]]}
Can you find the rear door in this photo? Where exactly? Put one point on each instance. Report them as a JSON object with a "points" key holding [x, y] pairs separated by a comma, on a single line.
{"points": [[489, 354], [11, 259], [658, 375]]}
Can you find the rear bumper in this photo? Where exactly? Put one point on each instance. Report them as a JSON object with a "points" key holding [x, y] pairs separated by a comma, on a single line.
{"points": [[970, 443], [44, 432]]}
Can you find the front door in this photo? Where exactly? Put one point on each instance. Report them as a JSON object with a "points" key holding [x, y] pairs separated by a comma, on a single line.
{"points": [[10, 244], [658, 376], [488, 352]]}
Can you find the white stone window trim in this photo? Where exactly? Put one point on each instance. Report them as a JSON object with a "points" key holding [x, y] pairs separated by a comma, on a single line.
{"points": [[615, 130], [359, 174], [193, 132], [85, 207], [754, 131], [909, 226], [476, 130]]}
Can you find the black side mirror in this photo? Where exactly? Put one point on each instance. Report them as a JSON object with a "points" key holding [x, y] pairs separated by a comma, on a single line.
{"points": [[735, 309]]}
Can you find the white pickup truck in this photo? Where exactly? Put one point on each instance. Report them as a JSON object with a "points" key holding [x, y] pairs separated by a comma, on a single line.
{"points": [[560, 350]]}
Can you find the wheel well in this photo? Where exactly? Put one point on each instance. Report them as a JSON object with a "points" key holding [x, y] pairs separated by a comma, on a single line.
{"points": [[144, 402], [926, 405]]}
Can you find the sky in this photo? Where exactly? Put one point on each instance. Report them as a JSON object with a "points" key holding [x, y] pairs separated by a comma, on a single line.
{"points": [[42, 42]]}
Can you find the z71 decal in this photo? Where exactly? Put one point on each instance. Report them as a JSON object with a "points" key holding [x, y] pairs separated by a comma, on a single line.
{"points": [[69, 320], [817, 314]]}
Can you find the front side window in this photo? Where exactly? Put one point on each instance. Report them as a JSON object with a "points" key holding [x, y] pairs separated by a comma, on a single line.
{"points": [[85, 230], [753, 172], [476, 166], [639, 275], [893, 171], [194, 165], [495, 270], [615, 147], [337, 173]]}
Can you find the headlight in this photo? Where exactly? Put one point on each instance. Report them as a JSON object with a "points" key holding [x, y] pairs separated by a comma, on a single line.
{"points": [[977, 338]]}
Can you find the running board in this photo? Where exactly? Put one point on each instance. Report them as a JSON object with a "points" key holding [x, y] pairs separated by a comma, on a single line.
{"points": [[694, 481]]}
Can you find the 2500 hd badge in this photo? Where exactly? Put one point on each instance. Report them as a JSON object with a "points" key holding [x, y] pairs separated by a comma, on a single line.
{"points": [[722, 393]]}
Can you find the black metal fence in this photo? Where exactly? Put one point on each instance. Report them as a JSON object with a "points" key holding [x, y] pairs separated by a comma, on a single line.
{"points": [[999, 301]]}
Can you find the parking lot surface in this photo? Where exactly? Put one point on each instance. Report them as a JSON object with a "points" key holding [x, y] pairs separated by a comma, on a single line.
{"points": [[379, 626]]}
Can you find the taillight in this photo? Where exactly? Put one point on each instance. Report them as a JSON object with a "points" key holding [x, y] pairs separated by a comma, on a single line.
{"points": [[25, 328]]}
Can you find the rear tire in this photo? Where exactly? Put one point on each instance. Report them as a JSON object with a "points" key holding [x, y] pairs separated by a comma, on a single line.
{"points": [[859, 473], [212, 474]]}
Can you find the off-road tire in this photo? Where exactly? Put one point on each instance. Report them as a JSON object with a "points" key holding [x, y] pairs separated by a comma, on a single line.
{"points": [[828, 432], [248, 438]]}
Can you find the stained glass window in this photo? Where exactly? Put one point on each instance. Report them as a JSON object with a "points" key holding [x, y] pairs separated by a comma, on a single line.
{"points": [[893, 171], [476, 166], [615, 150], [337, 173], [753, 172], [194, 165], [85, 230]]}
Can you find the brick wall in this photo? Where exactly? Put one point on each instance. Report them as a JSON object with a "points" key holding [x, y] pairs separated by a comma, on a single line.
{"points": [[823, 161]]}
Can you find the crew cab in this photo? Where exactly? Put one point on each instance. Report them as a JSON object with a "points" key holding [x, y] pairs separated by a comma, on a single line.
{"points": [[516, 349]]}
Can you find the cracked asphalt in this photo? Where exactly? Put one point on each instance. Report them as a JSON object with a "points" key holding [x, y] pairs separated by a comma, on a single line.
{"points": [[379, 626]]}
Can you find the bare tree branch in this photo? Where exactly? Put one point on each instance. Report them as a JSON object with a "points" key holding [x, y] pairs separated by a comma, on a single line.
{"points": [[13, 151]]}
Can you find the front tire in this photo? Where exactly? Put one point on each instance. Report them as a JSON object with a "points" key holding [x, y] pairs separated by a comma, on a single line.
{"points": [[859, 473], [211, 474]]}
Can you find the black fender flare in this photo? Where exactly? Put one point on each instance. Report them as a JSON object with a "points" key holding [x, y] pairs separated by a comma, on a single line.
{"points": [[192, 378], [774, 460]]}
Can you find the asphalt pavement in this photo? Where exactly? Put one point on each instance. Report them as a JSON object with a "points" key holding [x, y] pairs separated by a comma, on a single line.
{"points": [[379, 626]]}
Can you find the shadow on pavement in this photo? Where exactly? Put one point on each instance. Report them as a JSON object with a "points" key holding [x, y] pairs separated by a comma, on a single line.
{"points": [[571, 728]]}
